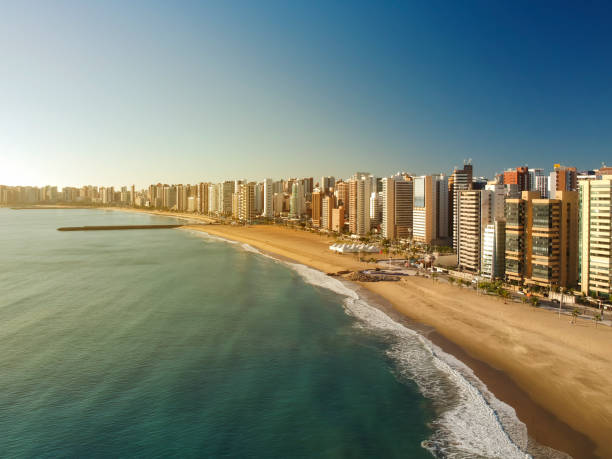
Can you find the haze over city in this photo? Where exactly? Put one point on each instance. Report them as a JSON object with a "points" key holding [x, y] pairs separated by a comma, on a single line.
{"points": [[114, 93]]}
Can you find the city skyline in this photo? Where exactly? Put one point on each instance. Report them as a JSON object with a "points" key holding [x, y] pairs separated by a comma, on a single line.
{"points": [[160, 93]]}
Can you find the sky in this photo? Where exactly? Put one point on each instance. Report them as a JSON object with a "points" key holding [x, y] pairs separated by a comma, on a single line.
{"points": [[115, 92]]}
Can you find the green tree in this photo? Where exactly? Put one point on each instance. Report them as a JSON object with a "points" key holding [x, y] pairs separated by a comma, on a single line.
{"points": [[575, 314], [504, 294], [535, 302], [597, 318]]}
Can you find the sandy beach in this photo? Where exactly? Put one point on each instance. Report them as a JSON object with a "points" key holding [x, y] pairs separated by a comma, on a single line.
{"points": [[560, 370]]}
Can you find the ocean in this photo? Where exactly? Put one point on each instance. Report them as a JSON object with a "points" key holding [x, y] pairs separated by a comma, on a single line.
{"points": [[173, 343]]}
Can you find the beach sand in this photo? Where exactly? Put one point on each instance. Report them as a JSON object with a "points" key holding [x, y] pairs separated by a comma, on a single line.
{"points": [[555, 374]]}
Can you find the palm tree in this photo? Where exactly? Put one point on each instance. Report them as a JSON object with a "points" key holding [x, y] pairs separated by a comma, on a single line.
{"points": [[535, 301], [504, 294], [597, 318], [575, 314]]}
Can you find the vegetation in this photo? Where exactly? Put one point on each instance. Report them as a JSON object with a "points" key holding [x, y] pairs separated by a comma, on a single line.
{"points": [[597, 318], [575, 314], [504, 294]]}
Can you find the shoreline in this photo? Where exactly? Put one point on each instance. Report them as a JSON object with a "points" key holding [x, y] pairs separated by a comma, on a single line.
{"points": [[572, 414], [548, 417]]}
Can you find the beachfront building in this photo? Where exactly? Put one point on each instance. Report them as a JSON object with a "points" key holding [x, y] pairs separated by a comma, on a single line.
{"points": [[430, 209], [226, 192], [328, 203], [360, 190], [492, 263], [474, 213], [342, 194], [296, 203], [268, 195], [202, 203], [375, 208], [460, 179], [397, 206], [338, 219], [246, 202], [596, 237], [542, 239], [316, 207]]}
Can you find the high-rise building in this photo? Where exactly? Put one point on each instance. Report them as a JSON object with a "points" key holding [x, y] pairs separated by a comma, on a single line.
{"points": [[562, 179], [246, 202], [498, 199], [535, 181], [542, 239], [375, 208], [360, 190], [316, 206], [430, 209], [461, 179], [474, 213], [595, 236], [338, 219], [327, 206], [296, 202], [397, 207], [226, 197], [202, 195], [259, 198], [268, 194], [493, 260], [342, 194], [327, 183], [519, 177]]}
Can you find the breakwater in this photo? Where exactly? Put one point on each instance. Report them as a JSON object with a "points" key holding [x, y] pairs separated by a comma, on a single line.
{"points": [[116, 227]]}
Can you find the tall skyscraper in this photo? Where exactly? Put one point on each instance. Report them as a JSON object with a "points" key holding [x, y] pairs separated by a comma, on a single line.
{"points": [[342, 194], [360, 190], [474, 213], [327, 183], [316, 206], [461, 179], [375, 208], [493, 260], [246, 200], [296, 203], [327, 205], [268, 195], [225, 196], [397, 206], [595, 239], [430, 211]]}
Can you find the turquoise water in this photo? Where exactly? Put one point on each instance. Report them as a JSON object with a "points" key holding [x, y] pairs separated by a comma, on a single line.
{"points": [[167, 343]]}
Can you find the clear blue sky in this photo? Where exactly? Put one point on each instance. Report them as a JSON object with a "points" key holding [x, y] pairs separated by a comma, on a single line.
{"points": [[116, 92]]}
